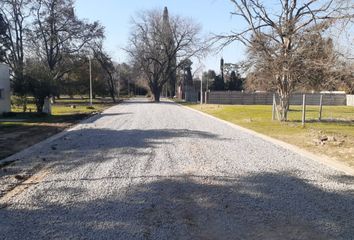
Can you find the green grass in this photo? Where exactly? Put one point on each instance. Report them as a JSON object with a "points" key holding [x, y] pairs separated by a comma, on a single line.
{"points": [[35, 127], [337, 122], [259, 118], [62, 111]]}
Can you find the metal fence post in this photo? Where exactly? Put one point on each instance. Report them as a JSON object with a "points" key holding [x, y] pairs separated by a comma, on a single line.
{"points": [[321, 107]]}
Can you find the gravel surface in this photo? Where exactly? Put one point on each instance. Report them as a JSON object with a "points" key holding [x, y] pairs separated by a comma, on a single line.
{"points": [[159, 171]]}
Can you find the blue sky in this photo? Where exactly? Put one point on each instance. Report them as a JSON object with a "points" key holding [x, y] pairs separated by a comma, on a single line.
{"points": [[213, 15]]}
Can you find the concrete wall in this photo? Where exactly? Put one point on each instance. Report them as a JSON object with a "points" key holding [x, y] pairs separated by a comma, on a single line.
{"points": [[5, 99], [240, 98], [350, 100]]}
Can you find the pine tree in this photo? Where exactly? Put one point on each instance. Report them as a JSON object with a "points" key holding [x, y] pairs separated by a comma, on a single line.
{"points": [[235, 82]]}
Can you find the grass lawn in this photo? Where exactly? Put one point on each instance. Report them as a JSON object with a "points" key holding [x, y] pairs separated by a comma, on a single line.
{"points": [[22, 130], [337, 125]]}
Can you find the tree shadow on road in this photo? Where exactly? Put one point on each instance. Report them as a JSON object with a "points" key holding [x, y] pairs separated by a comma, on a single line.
{"points": [[92, 145], [256, 206], [147, 101], [95, 139]]}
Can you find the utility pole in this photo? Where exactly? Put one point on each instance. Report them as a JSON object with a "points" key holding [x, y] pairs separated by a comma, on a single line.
{"points": [[274, 108], [321, 107], [303, 110], [222, 68], [118, 85], [90, 63], [201, 90]]}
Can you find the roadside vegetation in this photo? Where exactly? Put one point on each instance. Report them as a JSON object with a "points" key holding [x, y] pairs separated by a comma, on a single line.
{"points": [[333, 136], [19, 130], [52, 52], [290, 46]]}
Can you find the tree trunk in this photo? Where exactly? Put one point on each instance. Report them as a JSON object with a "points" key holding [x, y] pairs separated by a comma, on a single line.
{"points": [[111, 87], [284, 106], [156, 91], [284, 92], [24, 103], [40, 104], [112, 93]]}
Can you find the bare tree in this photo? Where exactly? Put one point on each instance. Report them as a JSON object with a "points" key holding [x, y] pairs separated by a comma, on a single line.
{"points": [[107, 65], [16, 13], [152, 52], [58, 33], [276, 37]]}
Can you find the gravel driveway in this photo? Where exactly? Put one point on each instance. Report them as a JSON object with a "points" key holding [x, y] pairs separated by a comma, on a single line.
{"points": [[159, 171]]}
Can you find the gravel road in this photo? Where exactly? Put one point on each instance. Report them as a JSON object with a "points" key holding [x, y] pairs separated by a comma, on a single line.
{"points": [[143, 170]]}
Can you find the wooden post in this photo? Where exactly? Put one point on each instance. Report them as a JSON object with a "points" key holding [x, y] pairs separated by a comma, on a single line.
{"points": [[321, 108], [303, 110], [273, 108]]}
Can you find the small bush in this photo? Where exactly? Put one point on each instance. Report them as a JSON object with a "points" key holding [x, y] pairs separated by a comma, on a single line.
{"points": [[9, 114], [39, 114]]}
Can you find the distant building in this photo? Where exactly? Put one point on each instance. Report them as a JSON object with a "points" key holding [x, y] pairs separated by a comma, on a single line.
{"points": [[5, 91]]}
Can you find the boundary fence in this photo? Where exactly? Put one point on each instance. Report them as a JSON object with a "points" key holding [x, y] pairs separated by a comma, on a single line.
{"points": [[241, 98]]}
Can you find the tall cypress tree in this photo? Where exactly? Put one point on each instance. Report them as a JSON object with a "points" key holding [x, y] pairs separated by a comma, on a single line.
{"points": [[169, 44]]}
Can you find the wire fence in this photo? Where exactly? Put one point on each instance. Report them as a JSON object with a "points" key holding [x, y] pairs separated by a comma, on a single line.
{"points": [[303, 107]]}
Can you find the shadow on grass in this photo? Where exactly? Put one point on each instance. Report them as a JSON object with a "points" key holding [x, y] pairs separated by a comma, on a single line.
{"points": [[300, 110], [335, 121], [15, 137], [44, 118], [257, 206]]}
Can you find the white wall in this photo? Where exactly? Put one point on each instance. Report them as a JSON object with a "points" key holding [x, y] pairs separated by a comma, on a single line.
{"points": [[5, 100], [350, 100]]}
